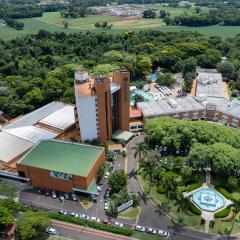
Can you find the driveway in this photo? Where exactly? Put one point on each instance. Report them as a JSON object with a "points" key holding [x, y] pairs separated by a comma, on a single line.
{"points": [[151, 216]]}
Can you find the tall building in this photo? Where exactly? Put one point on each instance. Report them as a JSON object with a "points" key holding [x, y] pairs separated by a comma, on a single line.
{"points": [[102, 105]]}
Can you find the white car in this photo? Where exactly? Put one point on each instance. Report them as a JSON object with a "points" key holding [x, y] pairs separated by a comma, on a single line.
{"points": [[107, 174], [118, 224], [99, 188], [163, 233], [140, 228], [73, 214], [51, 231], [74, 197], [106, 206], [54, 195], [84, 216], [152, 231], [95, 219], [63, 212]]}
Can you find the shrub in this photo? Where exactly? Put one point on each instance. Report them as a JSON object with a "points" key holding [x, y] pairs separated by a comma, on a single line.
{"points": [[99, 226], [223, 213], [224, 192], [193, 186], [193, 208], [161, 190]]}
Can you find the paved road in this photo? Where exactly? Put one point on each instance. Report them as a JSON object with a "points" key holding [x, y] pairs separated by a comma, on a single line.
{"points": [[152, 216], [77, 232]]}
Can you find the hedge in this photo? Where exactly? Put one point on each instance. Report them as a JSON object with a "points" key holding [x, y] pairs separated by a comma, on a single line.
{"points": [[224, 192], [161, 190], [223, 213], [193, 208], [99, 226], [193, 186]]}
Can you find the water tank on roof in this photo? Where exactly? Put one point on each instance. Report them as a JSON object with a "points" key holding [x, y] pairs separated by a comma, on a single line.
{"points": [[81, 76]]}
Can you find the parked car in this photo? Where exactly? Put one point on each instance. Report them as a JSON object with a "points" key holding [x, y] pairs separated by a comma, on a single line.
{"points": [[152, 231], [107, 194], [51, 231], [84, 216], [39, 191], [105, 205], [118, 224], [46, 193], [107, 174], [66, 196], [107, 221], [62, 199], [95, 219], [74, 197], [140, 228], [93, 197], [63, 212], [163, 233], [99, 188], [54, 195]]}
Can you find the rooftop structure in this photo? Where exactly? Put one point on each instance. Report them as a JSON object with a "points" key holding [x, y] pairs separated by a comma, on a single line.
{"points": [[65, 157], [34, 117], [169, 105], [11, 147], [209, 87], [47, 122], [61, 119], [231, 109]]}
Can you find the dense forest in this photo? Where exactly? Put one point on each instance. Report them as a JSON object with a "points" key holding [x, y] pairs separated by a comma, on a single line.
{"points": [[37, 69]]}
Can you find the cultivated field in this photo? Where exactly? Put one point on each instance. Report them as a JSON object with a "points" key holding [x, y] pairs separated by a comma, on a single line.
{"points": [[53, 22]]}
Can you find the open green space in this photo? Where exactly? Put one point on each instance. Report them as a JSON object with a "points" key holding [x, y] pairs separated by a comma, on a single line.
{"points": [[51, 21], [130, 213], [7, 191]]}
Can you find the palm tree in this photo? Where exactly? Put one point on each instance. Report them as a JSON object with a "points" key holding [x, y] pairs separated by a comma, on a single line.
{"points": [[140, 150]]}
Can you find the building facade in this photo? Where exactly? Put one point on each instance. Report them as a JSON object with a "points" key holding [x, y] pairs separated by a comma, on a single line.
{"points": [[62, 166], [102, 105]]}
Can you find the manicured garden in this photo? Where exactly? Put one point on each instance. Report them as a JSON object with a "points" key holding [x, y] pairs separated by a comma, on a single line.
{"points": [[130, 213], [189, 148]]}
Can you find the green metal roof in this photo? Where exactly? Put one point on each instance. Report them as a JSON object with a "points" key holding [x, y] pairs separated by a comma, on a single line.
{"points": [[64, 157]]}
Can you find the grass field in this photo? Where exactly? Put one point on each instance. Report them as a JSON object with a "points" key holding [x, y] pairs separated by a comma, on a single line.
{"points": [[53, 22], [130, 213]]}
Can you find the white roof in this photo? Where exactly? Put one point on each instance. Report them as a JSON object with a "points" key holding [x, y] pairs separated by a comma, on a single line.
{"points": [[12, 146], [31, 133], [60, 119]]}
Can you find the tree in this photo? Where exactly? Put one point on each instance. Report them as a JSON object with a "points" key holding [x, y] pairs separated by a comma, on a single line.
{"points": [[198, 10], [149, 14], [117, 181], [6, 218], [168, 21], [65, 24], [97, 25], [166, 79], [32, 224], [227, 69], [140, 150], [12, 206], [137, 98], [144, 66], [162, 14], [101, 172]]}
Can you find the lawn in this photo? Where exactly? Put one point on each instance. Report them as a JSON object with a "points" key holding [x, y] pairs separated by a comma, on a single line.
{"points": [[6, 190], [51, 21], [130, 213]]}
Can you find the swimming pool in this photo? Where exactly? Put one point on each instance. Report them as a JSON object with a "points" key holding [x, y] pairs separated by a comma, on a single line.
{"points": [[208, 199], [148, 97]]}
